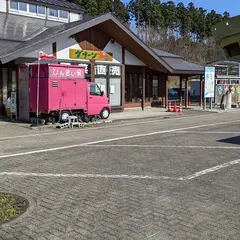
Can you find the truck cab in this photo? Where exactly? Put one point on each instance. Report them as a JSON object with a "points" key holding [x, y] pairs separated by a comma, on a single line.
{"points": [[98, 103]]}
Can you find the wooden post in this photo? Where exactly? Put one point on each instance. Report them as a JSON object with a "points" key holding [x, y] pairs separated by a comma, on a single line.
{"points": [[143, 87], [148, 86], [201, 90], [180, 92], [9, 82], [92, 71], [166, 91], [130, 79], [54, 49], [123, 78], [186, 91]]}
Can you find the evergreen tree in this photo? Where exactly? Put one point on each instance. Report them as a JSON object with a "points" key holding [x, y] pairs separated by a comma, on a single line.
{"points": [[184, 30], [98, 7]]}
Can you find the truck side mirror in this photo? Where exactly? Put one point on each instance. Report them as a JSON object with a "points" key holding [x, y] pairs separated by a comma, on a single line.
{"points": [[102, 93]]}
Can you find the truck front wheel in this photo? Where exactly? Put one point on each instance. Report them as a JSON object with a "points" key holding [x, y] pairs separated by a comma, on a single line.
{"points": [[105, 113], [64, 116]]}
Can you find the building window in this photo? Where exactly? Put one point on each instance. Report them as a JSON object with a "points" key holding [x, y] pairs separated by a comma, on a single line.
{"points": [[14, 5], [63, 14], [41, 10], [94, 90], [33, 8], [53, 12], [22, 6]]}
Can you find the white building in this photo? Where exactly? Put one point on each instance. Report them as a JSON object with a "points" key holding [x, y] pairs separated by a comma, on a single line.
{"points": [[113, 55]]}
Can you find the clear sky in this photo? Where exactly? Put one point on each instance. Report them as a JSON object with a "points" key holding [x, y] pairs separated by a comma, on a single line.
{"points": [[220, 6]]}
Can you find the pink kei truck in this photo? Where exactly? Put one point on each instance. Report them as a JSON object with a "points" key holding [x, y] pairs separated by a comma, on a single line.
{"points": [[64, 91]]}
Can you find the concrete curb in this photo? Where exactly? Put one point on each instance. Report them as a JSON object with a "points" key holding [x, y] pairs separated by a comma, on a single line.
{"points": [[167, 116], [147, 117], [43, 127], [214, 110]]}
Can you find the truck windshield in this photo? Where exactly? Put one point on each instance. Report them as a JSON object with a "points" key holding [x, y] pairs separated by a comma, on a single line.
{"points": [[94, 89]]}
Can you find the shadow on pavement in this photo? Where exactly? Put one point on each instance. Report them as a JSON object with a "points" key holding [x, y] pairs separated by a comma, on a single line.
{"points": [[232, 140]]}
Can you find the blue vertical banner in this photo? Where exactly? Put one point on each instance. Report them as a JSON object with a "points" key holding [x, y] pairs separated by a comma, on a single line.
{"points": [[209, 82]]}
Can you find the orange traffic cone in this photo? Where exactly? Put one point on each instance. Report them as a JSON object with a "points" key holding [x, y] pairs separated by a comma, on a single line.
{"points": [[180, 108], [175, 107], [169, 107]]}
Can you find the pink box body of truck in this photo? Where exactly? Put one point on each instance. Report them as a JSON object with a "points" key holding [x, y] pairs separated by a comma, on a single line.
{"points": [[63, 89]]}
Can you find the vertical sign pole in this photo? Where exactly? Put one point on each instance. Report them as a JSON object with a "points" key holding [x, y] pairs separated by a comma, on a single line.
{"points": [[204, 103], [210, 102], [204, 92], [209, 82], [38, 90]]}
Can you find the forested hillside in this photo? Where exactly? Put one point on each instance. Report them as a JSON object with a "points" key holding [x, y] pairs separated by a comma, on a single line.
{"points": [[183, 30]]}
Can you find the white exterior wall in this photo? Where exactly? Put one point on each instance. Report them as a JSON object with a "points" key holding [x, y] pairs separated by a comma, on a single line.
{"points": [[116, 49], [3, 6], [130, 59], [73, 17], [63, 46], [46, 49]]}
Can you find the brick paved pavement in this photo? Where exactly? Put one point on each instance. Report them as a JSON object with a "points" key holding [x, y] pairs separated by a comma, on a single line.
{"points": [[114, 207]]}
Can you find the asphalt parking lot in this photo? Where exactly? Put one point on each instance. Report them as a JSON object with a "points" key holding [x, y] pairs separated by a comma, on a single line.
{"points": [[154, 180]]}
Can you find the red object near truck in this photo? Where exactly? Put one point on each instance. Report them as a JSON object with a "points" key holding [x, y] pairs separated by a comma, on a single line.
{"points": [[64, 91]]}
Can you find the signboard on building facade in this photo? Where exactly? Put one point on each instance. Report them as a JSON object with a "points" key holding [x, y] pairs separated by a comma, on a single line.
{"points": [[100, 69], [114, 70], [227, 69], [209, 82], [90, 55], [87, 67], [70, 72]]}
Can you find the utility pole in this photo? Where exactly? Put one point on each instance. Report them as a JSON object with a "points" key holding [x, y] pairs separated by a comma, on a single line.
{"points": [[113, 7]]}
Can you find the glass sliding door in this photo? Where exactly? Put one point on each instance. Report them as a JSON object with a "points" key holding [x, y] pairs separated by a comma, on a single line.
{"points": [[115, 91], [109, 79], [115, 85]]}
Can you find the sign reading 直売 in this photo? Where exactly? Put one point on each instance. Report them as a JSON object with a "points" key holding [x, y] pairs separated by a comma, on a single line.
{"points": [[209, 82], [90, 55]]}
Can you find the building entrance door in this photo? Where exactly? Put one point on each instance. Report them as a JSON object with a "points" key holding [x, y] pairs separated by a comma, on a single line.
{"points": [[115, 91]]}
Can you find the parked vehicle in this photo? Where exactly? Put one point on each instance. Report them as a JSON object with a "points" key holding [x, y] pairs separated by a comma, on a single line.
{"points": [[172, 92], [64, 91]]}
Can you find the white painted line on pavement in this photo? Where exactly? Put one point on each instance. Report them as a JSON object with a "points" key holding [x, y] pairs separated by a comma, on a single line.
{"points": [[103, 127], [209, 170], [208, 132], [161, 146], [123, 176], [112, 139], [24, 174]]}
